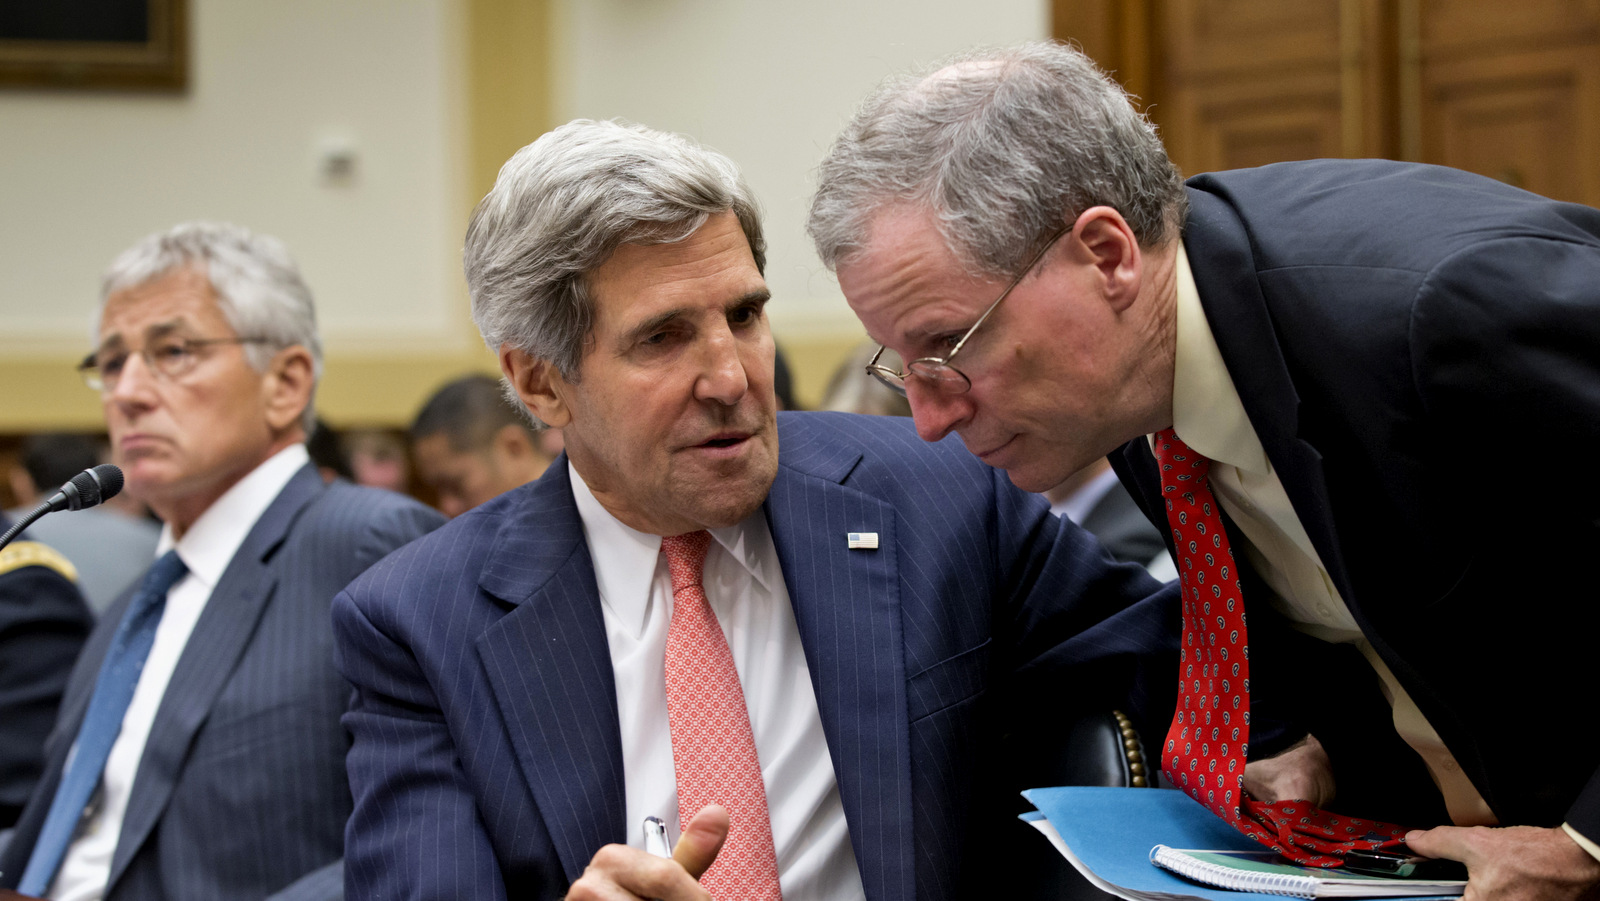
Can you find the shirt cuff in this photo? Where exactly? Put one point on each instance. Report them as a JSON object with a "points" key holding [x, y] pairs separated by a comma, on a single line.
{"points": [[1583, 841]]}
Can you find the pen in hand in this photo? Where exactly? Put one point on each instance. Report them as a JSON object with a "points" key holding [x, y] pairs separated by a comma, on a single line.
{"points": [[655, 837]]}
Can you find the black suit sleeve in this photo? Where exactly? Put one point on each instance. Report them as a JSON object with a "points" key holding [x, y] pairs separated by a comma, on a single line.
{"points": [[43, 624], [1509, 364], [1512, 363]]}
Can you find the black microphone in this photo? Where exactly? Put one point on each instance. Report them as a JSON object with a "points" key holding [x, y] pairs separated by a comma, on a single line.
{"points": [[86, 489]]}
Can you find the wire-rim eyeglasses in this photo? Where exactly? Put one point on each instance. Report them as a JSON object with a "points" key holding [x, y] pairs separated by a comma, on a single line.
{"points": [[937, 371]]}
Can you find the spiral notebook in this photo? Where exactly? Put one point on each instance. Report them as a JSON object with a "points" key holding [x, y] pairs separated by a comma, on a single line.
{"points": [[1108, 834], [1265, 872]]}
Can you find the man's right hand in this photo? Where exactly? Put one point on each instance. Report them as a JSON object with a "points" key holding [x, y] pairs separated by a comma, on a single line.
{"points": [[621, 873], [1302, 772]]}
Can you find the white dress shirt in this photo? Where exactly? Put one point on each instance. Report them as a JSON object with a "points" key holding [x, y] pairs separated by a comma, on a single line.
{"points": [[206, 549], [744, 585], [1209, 416]]}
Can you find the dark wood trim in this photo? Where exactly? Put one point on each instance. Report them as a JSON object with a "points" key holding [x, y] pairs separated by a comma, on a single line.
{"points": [[1114, 33], [161, 63]]}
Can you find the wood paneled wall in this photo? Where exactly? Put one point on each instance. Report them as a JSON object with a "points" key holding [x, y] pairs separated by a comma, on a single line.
{"points": [[1509, 90]]}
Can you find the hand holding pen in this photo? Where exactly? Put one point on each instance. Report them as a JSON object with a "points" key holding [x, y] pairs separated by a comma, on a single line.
{"points": [[655, 837], [622, 871]]}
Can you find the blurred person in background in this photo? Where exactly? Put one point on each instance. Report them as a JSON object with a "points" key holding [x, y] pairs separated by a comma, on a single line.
{"points": [[377, 459], [108, 548], [198, 752], [471, 444], [327, 452], [1093, 497], [783, 381], [852, 390]]}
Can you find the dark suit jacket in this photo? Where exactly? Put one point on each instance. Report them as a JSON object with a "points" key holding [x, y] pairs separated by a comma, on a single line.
{"points": [[487, 761], [43, 623], [1419, 351], [241, 789]]}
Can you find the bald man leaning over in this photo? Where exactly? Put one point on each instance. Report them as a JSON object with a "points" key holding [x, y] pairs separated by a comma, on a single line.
{"points": [[1372, 385]]}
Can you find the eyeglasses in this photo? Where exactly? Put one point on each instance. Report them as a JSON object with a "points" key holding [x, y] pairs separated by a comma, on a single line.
{"points": [[170, 358], [937, 371]]}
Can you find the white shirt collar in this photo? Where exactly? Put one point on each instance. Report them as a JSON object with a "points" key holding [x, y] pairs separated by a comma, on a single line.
{"points": [[1206, 410], [625, 559], [211, 542]]}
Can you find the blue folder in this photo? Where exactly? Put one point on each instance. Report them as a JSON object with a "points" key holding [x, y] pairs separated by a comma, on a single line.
{"points": [[1111, 831]]}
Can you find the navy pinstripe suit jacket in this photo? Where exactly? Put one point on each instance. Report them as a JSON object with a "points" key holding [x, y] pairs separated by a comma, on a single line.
{"points": [[241, 789], [487, 761]]}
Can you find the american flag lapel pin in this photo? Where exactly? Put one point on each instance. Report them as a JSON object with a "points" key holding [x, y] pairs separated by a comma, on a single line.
{"points": [[862, 541]]}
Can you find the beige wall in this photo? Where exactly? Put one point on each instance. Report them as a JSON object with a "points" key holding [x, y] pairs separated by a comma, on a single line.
{"points": [[769, 84], [432, 95], [273, 86]]}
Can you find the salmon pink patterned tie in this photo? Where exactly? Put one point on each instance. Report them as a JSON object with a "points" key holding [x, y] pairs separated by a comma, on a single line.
{"points": [[1209, 740], [713, 749]]}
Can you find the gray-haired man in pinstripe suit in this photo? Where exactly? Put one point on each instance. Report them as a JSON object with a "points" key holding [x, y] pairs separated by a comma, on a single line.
{"points": [[226, 776]]}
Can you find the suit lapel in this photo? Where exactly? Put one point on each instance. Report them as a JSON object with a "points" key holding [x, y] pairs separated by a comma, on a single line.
{"points": [[548, 665], [847, 605], [214, 647], [1225, 273]]}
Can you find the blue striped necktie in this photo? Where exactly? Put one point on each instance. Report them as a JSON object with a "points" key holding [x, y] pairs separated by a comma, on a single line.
{"points": [[119, 675]]}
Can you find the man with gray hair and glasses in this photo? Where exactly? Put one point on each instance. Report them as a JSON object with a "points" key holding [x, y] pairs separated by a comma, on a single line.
{"points": [[1311, 375], [805, 634], [198, 752]]}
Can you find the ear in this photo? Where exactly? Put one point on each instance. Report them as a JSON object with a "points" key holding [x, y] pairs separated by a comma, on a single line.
{"points": [[538, 384], [287, 387], [1104, 240]]}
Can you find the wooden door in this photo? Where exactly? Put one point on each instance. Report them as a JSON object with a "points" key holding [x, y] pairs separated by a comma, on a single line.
{"points": [[1506, 89]]}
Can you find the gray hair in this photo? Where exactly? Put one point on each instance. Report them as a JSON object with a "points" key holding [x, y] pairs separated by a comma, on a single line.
{"points": [[1004, 147], [563, 204], [258, 287]]}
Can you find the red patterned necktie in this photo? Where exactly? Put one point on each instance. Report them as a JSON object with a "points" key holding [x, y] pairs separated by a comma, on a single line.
{"points": [[1209, 740], [713, 749]]}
